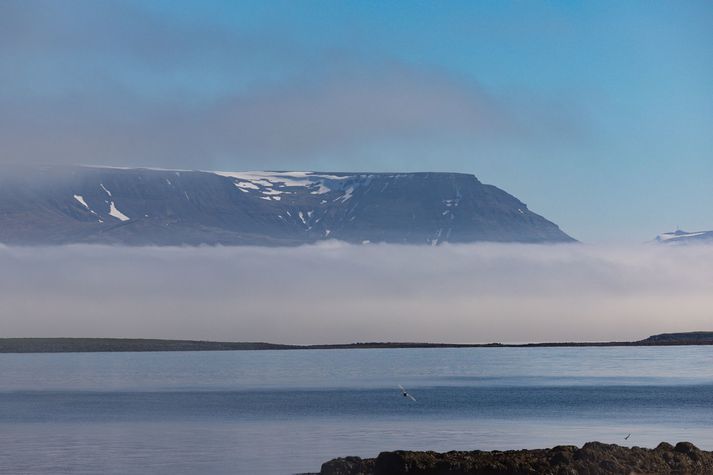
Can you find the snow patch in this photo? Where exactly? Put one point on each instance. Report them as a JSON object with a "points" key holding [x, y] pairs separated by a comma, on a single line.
{"points": [[347, 195], [271, 183], [116, 213], [678, 235], [80, 198], [246, 184]]}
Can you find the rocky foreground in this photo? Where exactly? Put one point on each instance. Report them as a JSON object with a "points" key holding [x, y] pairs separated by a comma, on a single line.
{"points": [[593, 458]]}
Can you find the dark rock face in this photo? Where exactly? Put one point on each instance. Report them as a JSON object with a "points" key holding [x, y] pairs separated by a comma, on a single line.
{"points": [[171, 207], [594, 458]]}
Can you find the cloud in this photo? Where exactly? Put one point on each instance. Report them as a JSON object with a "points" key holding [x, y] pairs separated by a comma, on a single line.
{"points": [[116, 84], [339, 112], [122, 32], [340, 293]]}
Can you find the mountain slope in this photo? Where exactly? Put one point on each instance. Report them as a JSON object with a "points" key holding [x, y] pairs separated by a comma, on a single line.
{"points": [[174, 207]]}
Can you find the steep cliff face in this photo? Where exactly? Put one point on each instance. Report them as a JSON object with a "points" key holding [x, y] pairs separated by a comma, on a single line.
{"points": [[174, 207]]}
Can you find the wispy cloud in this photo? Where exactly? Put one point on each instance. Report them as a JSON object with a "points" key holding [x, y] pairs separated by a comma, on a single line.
{"points": [[113, 83], [342, 293]]}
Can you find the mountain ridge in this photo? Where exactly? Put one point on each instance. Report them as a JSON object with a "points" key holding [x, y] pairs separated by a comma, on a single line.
{"points": [[142, 206]]}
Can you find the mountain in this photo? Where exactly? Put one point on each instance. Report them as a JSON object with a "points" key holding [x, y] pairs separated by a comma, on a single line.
{"points": [[61, 205], [684, 237]]}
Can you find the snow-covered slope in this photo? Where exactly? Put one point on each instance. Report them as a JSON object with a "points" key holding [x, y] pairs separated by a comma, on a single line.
{"points": [[173, 207], [684, 237]]}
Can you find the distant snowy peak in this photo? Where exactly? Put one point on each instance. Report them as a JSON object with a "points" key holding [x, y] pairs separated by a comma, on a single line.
{"points": [[684, 237]]}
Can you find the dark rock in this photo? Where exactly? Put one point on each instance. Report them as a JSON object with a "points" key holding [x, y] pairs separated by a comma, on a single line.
{"points": [[686, 448], [594, 458], [348, 466], [664, 447], [562, 455]]}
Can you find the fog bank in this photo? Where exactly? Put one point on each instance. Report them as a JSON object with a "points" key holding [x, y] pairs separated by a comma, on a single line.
{"points": [[334, 293]]}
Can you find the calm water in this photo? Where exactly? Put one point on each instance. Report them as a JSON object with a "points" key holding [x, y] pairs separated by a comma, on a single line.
{"points": [[278, 412]]}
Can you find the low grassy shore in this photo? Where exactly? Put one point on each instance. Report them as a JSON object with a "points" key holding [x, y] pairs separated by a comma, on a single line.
{"points": [[76, 345], [593, 458]]}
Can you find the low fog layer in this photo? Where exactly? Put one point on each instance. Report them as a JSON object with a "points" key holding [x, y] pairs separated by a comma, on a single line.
{"points": [[333, 293]]}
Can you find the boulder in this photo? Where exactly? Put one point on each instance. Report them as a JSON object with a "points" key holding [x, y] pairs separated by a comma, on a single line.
{"points": [[594, 458]]}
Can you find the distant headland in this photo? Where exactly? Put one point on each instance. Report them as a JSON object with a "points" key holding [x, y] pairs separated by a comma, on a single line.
{"points": [[89, 345]]}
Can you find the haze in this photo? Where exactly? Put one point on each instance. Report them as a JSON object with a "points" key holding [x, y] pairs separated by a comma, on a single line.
{"points": [[338, 293]]}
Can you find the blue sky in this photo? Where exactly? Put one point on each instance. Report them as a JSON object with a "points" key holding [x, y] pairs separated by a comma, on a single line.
{"points": [[598, 115]]}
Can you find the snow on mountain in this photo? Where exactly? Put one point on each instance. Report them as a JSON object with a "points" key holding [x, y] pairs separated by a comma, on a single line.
{"points": [[179, 207], [273, 184], [684, 237]]}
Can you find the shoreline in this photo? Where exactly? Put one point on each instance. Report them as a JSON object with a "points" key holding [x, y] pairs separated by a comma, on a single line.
{"points": [[113, 345]]}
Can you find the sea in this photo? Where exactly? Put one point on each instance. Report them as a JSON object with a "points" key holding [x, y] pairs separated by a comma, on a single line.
{"points": [[286, 412]]}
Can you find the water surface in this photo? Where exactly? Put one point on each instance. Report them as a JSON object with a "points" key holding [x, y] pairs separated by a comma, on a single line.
{"points": [[277, 412]]}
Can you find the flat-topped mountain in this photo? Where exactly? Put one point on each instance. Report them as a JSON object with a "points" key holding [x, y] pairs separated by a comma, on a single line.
{"points": [[685, 237], [176, 207]]}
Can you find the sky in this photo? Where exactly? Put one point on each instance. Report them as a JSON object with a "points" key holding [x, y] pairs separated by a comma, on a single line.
{"points": [[339, 293], [598, 115]]}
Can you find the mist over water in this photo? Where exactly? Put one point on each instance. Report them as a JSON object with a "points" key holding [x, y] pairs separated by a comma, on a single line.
{"points": [[334, 292]]}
